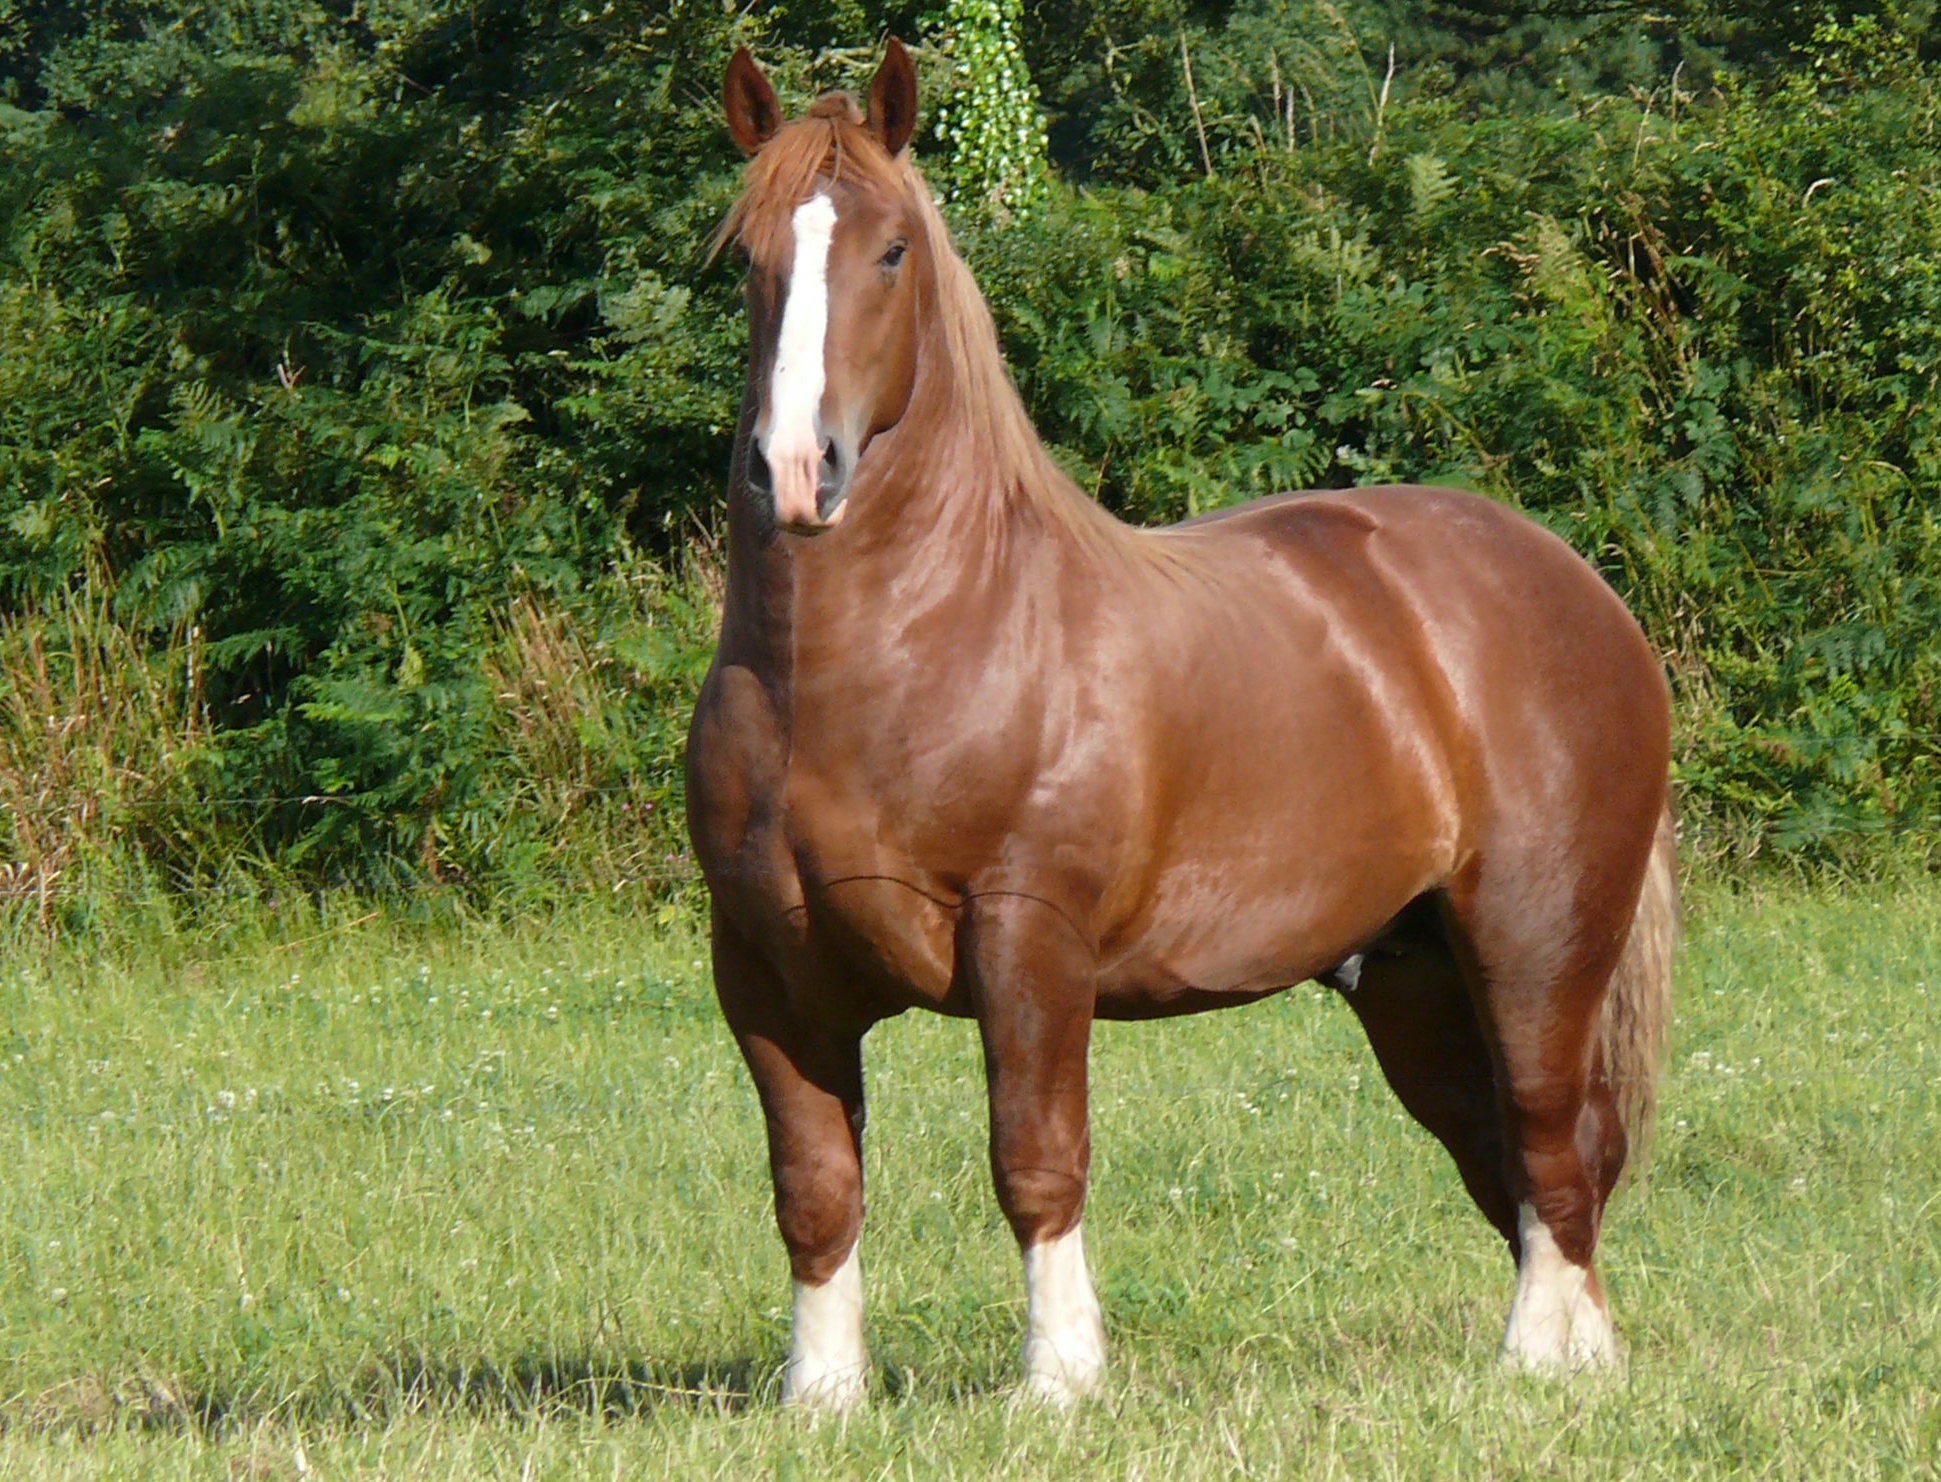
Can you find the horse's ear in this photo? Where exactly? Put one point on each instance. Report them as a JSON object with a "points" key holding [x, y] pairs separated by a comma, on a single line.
{"points": [[893, 99], [753, 113]]}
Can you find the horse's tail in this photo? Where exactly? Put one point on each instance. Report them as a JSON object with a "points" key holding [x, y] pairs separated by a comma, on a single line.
{"points": [[1637, 1009]]}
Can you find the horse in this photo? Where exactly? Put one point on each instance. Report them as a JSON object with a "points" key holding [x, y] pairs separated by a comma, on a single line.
{"points": [[971, 744]]}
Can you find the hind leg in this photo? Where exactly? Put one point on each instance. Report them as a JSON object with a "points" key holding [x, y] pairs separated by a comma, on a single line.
{"points": [[1539, 959], [1414, 1006]]}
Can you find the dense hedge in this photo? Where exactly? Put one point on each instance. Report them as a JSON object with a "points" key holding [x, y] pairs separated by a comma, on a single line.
{"points": [[365, 388]]}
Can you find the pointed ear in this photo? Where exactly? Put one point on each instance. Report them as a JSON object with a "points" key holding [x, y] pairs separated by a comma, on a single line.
{"points": [[753, 114], [893, 99]]}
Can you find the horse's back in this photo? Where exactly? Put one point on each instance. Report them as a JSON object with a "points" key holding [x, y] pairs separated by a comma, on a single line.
{"points": [[1498, 601], [1493, 652], [1546, 698]]}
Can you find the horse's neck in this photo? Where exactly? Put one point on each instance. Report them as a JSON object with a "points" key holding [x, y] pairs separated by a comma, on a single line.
{"points": [[758, 609], [916, 547], [936, 521]]}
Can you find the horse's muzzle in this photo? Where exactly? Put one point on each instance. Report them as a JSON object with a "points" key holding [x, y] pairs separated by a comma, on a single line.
{"points": [[810, 494]]}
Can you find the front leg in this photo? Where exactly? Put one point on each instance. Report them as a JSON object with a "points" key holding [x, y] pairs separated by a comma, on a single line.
{"points": [[1034, 981], [810, 1080]]}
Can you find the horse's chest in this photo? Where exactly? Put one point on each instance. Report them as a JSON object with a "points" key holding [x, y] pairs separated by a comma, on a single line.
{"points": [[869, 902], [737, 772], [804, 863]]}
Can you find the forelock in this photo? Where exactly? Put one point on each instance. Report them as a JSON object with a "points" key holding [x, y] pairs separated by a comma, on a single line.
{"points": [[829, 141]]}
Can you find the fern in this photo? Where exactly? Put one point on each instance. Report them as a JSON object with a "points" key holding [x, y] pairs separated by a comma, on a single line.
{"points": [[1430, 183]]}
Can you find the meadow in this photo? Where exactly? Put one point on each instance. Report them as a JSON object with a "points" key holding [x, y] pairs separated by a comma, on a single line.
{"points": [[359, 1199]]}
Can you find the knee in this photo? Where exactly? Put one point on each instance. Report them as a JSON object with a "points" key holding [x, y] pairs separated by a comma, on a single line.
{"points": [[1040, 1203], [820, 1221]]}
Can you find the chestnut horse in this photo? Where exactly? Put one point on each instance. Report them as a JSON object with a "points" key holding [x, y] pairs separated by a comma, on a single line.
{"points": [[971, 744]]}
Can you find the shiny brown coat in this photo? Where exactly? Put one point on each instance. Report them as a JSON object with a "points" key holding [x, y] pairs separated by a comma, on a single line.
{"points": [[972, 745]]}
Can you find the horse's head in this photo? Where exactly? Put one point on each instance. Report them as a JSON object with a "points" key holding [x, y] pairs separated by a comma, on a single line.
{"points": [[833, 224]]}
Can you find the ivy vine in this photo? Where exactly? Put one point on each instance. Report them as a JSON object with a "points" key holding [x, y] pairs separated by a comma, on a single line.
{"points": [[990, 120]]}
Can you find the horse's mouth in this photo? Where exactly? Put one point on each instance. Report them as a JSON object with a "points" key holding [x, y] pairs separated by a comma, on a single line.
{"points": [[820, 525]]}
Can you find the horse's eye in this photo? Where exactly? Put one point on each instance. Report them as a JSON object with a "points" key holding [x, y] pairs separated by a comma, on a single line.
{"points": [[895, 255]]}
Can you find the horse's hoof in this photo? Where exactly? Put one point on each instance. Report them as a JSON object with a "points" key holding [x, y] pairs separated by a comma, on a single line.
{"points": [[825, 1392], [1588, 1346], [1558, 1322], [1061, 1380], [1055, 1391]]}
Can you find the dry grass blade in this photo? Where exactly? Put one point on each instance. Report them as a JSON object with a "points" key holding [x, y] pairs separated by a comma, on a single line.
{"points": [[95, 722]]}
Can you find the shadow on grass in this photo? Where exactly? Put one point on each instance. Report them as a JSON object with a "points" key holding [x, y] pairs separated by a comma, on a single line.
{"points": [[527, 1388]]}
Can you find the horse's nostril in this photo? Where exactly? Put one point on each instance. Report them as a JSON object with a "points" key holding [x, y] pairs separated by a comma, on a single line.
{"points": [[832, 481], [756, 472]]}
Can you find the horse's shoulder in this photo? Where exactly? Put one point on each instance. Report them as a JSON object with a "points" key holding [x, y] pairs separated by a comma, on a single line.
{"points": [[736, 748]]}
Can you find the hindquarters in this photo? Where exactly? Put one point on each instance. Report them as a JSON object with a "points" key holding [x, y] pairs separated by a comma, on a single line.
{"points": [[1570, 978], [1524, 1030], [1427, 1016]]}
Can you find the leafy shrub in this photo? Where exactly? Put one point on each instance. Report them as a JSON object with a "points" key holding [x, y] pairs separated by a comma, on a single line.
{"points": [[375, 360]]}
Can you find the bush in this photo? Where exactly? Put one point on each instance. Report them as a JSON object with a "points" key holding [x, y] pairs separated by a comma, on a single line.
{"points": [[375, 364], [1697, 337]]}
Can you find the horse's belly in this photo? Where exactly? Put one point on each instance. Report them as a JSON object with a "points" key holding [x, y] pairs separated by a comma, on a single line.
{"points": [[1210, 942]]}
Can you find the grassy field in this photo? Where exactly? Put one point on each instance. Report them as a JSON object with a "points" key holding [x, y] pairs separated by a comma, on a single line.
{"points": [[493, 1204]]}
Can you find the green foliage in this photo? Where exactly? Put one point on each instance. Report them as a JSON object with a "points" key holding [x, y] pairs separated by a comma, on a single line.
{"points": [[1696, 337], [307, 348], [1124, 338], [988, 115], [373, 355]]}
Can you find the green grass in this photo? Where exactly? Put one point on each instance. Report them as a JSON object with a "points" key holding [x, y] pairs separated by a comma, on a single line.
{"points": [[486, 1203]]}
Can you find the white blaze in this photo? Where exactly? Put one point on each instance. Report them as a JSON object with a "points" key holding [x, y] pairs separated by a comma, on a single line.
{"points": [[1556, 1325], [791, 442], [1064, 1342], [828, 1366]]}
